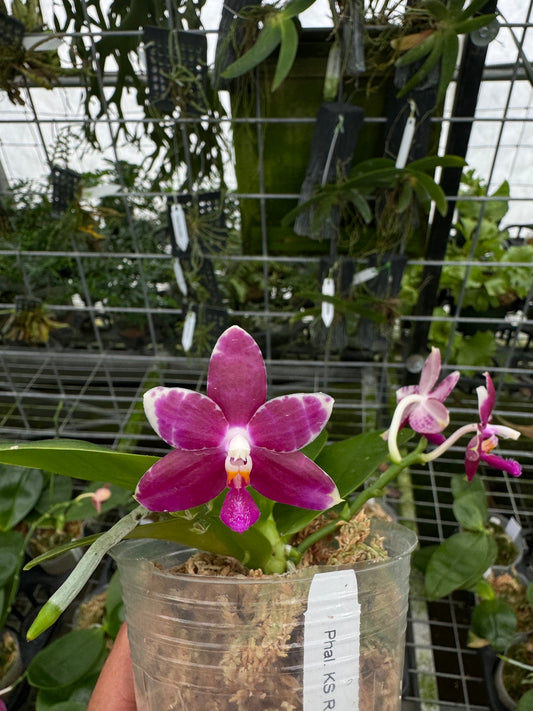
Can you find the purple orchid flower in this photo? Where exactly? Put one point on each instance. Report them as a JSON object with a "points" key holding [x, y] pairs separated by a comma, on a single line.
{"points": [[425, 412], [481, 445], [233, 438]]}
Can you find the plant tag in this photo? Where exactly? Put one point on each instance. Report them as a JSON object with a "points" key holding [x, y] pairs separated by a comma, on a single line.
{"points": [[328, 310], [365, 275], [513, 528], [180, 278], [188, 331], [331, 643], [179, 226]]}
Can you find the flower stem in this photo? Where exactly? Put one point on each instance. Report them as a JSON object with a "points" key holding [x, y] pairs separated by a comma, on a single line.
{"points": [[375, 489], [395, 425]]}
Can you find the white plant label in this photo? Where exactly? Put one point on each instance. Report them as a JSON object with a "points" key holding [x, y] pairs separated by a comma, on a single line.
{"points": [[331, 643], [188, 331], [328, 310], [513, 528], [179, 226]]}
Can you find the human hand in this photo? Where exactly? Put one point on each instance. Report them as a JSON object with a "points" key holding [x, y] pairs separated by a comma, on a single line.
{"points": [[114, 690]]}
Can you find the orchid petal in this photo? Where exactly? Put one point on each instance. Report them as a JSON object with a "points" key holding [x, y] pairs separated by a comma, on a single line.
{"points": [[486, 397], [430, 416], [237, 376], [239, 511], [445, 387], [289, 422], [292, 478], [184, 418], [182, 479], [430, 372], [503, 431], [472, 457], [505, 465], [405, 391]]}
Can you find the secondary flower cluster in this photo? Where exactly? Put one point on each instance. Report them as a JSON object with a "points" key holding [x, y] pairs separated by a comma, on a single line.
{"points": [[233, 439]]}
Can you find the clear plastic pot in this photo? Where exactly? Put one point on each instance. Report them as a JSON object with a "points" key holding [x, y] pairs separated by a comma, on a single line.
{"points": [[237, 643]]}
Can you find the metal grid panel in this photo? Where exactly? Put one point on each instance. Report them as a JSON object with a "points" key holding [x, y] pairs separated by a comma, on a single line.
{"points": [[92, 391]]}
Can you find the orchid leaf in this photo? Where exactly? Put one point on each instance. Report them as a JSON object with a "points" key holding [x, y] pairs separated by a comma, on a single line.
{"points": [[208, 533], [495, 621], [83, 460], [67, 660], [427, 189], [287, 52], [20, 489], [349, 463], [295, 7], [267, 41], [459, 563]]}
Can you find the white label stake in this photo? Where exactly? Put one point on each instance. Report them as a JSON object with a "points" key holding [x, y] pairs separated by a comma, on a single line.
{"points": [[331, 643]]}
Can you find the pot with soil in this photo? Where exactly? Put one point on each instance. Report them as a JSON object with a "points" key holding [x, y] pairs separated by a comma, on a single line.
{"points": [[205, 632]]}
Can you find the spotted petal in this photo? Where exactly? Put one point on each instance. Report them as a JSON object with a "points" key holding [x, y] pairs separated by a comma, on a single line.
{"points": [[292, 478], [184, 418], [182, 480], [429, 416], [239, 511], [445, 387], [486, 397], [289, 422], [430, 372], [237, 376]]}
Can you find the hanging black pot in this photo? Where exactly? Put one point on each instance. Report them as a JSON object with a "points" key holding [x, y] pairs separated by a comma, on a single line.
{"points": [[11, 31], [65, 183], [176, 65]]}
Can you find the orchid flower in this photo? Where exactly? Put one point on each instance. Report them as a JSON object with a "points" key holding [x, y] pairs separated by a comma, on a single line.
{"points": [[97, 498], [232, 438], [481, 445], [422, 404]]}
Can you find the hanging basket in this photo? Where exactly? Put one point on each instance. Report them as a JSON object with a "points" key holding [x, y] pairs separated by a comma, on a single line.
{"points": [[11, 31], [176, 64], [298, 641], [65, 183]]}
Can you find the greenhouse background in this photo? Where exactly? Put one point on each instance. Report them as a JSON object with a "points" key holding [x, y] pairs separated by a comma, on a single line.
{"points": [[132, 233]]}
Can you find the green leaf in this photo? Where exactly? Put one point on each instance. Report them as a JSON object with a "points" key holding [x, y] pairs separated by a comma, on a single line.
{"points": [[450, 51], [313, 449], [287, 52], [431, 162], [459, 563], [474, 7], [423, 71], [78, 459], [495, 621], [66, 660], [114, 607], [295, 7], [56, 490], [426, 186], [349, 463], [20, 489], [525, 702], [207, 532], [267, 41], [473, 24], [470, 503]]}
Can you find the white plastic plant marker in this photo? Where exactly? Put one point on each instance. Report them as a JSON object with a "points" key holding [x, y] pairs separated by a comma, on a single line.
{"points": [[188, 331], [328, 310], [364, 275], [180, 278], [179, 226], [407, 138], [513, 528], [331, 643]]}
